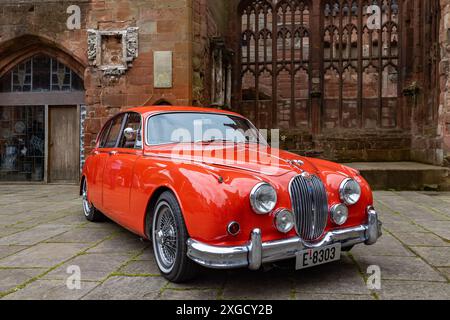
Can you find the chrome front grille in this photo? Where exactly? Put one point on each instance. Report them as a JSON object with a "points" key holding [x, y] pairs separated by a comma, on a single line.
{"points": [[310, 205]]}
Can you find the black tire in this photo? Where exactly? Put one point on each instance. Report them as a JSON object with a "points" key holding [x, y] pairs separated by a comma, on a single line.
{"points": [[90, 212], [169, 246]]}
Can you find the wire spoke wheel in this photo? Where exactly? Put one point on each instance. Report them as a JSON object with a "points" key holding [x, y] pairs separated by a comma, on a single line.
{"points": [[165, 237], [87, 207]]}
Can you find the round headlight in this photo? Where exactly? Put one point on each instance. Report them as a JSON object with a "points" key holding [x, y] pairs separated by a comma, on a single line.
{"points": [[284, 221], [263, 198], [350, 192], [339, 214]]}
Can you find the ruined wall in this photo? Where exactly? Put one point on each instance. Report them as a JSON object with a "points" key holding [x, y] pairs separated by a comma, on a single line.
{"points": [[444, 72], [186, 27], [209, 19]]}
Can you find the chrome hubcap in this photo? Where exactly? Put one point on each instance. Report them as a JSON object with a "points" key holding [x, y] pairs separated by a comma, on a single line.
{"points": [[165, 237]]}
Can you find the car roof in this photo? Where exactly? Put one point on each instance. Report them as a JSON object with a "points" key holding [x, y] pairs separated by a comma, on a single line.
{"points": [[151, 110]]}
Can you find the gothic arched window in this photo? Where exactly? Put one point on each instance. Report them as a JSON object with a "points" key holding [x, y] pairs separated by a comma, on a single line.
{"points": [[41, 73], [275, 68]]}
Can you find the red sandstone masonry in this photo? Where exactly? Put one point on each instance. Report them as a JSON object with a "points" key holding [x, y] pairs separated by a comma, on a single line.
{"points": [[186, 27]]}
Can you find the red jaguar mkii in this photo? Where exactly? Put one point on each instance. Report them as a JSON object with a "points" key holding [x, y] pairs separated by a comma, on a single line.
{"points": [[206, 188]]}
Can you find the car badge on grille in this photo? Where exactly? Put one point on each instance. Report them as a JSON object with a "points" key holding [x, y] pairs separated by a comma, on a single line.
{"points": [[296, 163], [307, 175]]}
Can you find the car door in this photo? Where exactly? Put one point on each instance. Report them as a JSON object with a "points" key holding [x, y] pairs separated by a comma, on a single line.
{"points": [[97, 165], [119, 168]]}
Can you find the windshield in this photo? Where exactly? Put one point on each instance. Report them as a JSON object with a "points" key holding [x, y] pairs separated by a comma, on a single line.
{"points": [[172, 128]]}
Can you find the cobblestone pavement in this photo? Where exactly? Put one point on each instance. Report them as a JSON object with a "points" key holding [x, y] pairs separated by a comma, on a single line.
{"points": [[43, 231]]}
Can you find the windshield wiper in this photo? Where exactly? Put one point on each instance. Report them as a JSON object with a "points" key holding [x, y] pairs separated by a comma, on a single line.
{"points": [[212, 141]]}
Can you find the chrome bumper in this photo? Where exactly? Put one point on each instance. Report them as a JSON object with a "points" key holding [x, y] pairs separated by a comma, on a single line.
{"points": [[256, 252]]}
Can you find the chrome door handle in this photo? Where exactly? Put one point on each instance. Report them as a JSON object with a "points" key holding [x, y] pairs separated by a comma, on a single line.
{"points": [[113, 153]]}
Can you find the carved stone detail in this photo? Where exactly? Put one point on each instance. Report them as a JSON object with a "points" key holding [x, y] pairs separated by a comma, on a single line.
{"points": [[132, 42], [113, 51]]}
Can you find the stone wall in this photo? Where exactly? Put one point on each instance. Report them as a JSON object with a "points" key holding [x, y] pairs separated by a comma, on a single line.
{"points": [[210, 20], [444, 70], [28, 27], [412, 132], [163, 26]]}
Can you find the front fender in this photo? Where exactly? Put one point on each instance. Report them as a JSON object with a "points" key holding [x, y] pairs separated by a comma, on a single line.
{"points": [[210, 198]]}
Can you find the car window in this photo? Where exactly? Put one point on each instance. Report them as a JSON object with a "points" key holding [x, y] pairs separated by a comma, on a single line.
{"points": [[104, 134], [114, 132], [200, 127], [133, 122]]}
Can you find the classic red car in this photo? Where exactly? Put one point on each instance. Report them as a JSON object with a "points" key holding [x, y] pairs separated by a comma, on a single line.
{"points": [[205, 187]]}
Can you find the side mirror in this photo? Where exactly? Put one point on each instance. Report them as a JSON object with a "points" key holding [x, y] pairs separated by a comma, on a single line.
{"points": [[129, 134]]}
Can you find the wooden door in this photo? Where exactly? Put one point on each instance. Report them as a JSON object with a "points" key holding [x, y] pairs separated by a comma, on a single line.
{"points": [[63, 145]]}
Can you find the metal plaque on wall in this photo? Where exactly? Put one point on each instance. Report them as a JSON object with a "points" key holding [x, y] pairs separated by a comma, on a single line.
{"points": [[162, 61]]}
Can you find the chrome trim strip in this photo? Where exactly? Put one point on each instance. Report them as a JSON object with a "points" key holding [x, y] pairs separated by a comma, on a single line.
{"points": [[256, 252]]}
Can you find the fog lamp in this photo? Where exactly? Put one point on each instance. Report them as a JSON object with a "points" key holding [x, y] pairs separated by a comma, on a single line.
{"points": [[339, 214], [284, 221]]}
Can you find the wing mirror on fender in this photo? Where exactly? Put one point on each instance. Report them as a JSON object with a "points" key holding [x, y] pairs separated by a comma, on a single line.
{"points": [[130, 134]]}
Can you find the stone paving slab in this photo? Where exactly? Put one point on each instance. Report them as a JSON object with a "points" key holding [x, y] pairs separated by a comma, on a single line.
{"points": [[9, 250], [422, 239], [124, 242], [440, 228], [171, 294], [332, 296], [212, 279], [414, 290], [11, 278], [247, 285], [386, 246], [43, 231], [8, 230], [445, 271], [34, 235], [342, 277], [82, 235], [94, 267], [401, 268], [127, 288], [437, 257], [140, 268], [42, 255], [51, 290]]}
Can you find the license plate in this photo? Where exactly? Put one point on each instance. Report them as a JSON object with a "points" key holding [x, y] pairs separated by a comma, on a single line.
{"points": [[315, 257]]}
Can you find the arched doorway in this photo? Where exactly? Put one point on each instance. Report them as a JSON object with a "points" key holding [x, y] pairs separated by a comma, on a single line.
{"points": [[41, 104]]}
